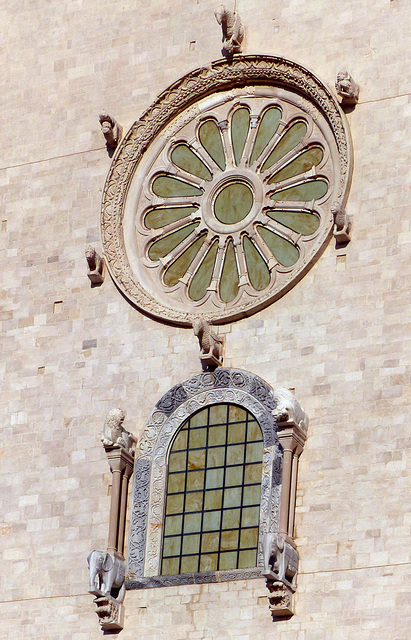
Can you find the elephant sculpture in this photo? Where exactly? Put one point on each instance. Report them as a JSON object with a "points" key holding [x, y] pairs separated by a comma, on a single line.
{"points": [[110, 573], [280, 559]]}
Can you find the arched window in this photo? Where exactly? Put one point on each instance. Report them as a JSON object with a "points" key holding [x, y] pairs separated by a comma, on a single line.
{"points": [[207, 482]]}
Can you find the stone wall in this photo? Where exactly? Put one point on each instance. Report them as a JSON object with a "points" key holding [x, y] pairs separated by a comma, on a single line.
{"points": [[340, 337]]}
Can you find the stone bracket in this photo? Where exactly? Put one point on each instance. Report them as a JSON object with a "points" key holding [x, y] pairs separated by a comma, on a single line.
{"points": [[110, 612], [280, 599]]}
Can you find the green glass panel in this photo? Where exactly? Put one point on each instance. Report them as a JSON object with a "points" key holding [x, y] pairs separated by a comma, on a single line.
{"points": [[175, 504], [258, 271], [234, 476], [252, 494], [288, 141], [210, 138], [228, 560], [229, 276], [250, 516], [304, 192], [304, 162], [249, 538], [170, 566], [236, 432], [189, 564], [186, 159], [202, 277], [157, 218], [178, 268], [213, 499], [208, 562], [192, 523], [194, 501], [247, 559], [196, 459], [254, 431], [170, 187], [176, 482], [254, 452], [218, 414], [198, 437], [173, 525], [266, 129], [235, 454], [212, 521], [172, 546], [199, 419], [231, 519], [299, 221], [216, 457], [210, 541], [229, 540], [233, 203], [240, 124], [181, 440], [191, 544], [162, 247], [214, 478], [195, 480], [252, 473], [217, 435], [285, 252], [177, 461], [232, 497], [236, 414]]}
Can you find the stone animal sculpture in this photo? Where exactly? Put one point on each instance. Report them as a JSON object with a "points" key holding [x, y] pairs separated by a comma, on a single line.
{"points": [[111, 129], [342, 223], [94, 265], [280, 559], [347, 89], [233, 30], [211, 344], [106, 573], [288, 409], [114, 432]]}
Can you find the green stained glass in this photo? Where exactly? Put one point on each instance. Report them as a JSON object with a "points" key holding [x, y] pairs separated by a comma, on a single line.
{"points": [[162, 247], [189, 564], [304, 192], [215, 478], [288, 141], [180, 443], [249, 538], [195, 480], [157, 218], [228, 560], [218, 414], [252, 494], [194, 501], [236, 414], [266, 129], [299, 221], [173, 525], [212, 521], [217, 435], [252, 473], [210, 137], [283, 251], [178, 268], [170, 566], [169, 187], [249, 516], [210, 541], [216, 457], [232, 497], [213, 499], [229, 540], [254, 452], [302, 163], [196, 459], [175, 504], [231, 519], [229, 276], [233, 203], [254, 431], [235, 454], [208, 562], [176, 482], [236, 432], [240, 124], [177, 461], [172, 546], [198, 437], [233, 476], [258, 271], [199, 419], [192, 523], [202, 277], [247, 559], [191, 544], [186, 159]]}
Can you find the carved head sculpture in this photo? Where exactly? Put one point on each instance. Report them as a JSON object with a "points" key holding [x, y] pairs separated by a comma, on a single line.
{"points": [[106, 121], [114, 421]]}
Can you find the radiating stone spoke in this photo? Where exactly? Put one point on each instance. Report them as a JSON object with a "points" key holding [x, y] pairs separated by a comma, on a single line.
{"points": [[156, 234], [180, 248], [270, 146]]}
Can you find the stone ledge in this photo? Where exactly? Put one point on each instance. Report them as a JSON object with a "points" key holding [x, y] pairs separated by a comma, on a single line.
{"points": [[192, 578]]}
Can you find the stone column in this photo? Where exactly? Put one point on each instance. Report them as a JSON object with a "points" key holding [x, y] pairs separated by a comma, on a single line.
{"points": [[121, 465]]}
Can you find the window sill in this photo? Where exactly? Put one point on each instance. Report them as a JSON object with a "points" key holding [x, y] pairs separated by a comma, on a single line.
{"points": [[193, 578]]}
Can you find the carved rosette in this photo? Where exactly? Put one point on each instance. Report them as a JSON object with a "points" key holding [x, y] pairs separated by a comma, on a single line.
{"points": [[152, 277]]}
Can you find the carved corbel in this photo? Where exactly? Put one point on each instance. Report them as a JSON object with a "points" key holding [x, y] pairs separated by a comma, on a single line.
{"points": [[233, 30], [342, 224], [211, 345], [110, 613], [95, 265], [111, 129], [279, 549], [348, 91]]}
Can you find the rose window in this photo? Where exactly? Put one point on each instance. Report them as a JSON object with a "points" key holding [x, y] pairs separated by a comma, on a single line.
{"points": [[229, 204]]}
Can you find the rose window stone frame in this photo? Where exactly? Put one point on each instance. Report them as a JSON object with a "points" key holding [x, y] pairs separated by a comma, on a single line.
{"points": [[215, 93]]}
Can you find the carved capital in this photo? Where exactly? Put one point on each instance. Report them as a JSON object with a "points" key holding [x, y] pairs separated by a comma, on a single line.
{"points": [[280, 599], [110, 613]]}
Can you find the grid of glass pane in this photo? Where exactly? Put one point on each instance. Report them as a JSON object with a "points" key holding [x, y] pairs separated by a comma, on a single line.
{"points": [[213, 492]]}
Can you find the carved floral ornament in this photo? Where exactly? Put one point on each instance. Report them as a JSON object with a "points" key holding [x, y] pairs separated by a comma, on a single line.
{"points": [[220, 197]]}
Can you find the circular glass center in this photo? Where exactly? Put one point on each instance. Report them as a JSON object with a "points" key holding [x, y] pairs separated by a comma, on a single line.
{"points": [[233, 203]]}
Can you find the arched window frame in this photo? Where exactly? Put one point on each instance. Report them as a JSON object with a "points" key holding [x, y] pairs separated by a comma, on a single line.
{"points": [[232, 386]]}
